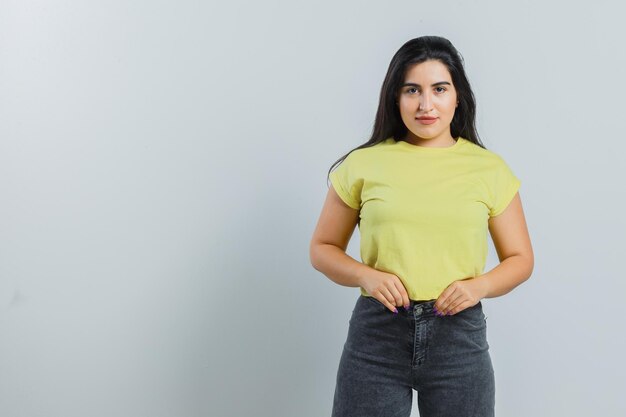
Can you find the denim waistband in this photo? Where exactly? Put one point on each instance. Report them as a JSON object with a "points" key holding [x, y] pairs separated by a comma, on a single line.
{"points": [[426, 303]]}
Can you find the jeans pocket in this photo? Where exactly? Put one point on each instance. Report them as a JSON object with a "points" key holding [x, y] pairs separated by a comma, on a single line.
{"points": [[473, 316], [374, 301]]}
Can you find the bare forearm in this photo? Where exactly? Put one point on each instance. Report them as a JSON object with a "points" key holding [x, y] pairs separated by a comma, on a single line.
{"points": [[507, 275], [337, 265]]}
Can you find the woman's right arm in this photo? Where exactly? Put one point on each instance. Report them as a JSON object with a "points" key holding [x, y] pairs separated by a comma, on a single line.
{"points": [[328, 255], [330, 241]]}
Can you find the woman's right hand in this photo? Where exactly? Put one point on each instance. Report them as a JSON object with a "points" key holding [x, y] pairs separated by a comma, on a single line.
{"points": [[386, 288]]}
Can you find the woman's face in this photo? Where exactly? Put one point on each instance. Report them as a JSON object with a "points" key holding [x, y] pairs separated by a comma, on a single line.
{"points": [[428, 91]]}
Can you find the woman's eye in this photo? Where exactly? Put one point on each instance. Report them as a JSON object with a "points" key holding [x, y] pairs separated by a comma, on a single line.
{"points": [[438, 89]]}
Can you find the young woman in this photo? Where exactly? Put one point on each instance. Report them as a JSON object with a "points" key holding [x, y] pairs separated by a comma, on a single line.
{"points": [[423, 191]]}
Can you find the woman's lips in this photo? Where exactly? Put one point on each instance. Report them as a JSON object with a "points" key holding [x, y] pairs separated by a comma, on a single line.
{"points": [[427, 121]]}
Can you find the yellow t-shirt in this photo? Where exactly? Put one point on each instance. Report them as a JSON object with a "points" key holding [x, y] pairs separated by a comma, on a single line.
{"points": [[423, 211]]}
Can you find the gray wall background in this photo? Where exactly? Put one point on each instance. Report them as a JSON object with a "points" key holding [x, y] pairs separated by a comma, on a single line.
{"points": [[163, 165]]}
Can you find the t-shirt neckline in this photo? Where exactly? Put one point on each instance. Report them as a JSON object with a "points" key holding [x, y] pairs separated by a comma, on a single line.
{"points": [[428, 149]]}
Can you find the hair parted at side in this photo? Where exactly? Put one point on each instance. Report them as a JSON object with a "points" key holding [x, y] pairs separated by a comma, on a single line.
{"points": [[388, 121]]}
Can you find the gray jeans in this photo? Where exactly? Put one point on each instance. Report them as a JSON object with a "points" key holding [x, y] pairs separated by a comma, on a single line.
{"points": [[386, 356]]}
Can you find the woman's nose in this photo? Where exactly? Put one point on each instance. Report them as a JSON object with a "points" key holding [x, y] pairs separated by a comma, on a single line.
{"points": [[425, 102]]}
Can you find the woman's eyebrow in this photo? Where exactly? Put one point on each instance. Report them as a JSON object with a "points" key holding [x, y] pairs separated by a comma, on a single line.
{"points": [[417, 85]]}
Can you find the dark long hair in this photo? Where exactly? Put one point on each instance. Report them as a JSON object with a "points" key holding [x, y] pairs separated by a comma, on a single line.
{"points": [[388, 121]]}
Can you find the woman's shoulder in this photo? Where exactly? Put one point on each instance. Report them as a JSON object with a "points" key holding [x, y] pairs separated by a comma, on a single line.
{"points": [[369, 151], [484, 155]]}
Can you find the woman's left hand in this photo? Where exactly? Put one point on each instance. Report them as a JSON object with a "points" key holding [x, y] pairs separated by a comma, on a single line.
{"points": [[460, 295]]}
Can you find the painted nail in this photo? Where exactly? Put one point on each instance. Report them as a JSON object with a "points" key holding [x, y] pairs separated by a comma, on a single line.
{"points": [[395, 310]]}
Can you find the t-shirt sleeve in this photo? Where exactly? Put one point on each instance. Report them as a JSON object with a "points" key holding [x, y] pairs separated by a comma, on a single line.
{"points": [[505, 185], [346, 182]]}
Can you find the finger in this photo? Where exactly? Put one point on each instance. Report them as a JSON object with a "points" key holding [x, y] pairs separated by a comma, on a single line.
{"points": [[459, 307], [395, 292], [453, 304], [442, 301], [389, 299], [455, 299], [443, 297], [403, 294]]}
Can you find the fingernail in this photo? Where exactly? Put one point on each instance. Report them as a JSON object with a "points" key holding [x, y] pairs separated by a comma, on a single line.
{"points": [[395, 310], [406, 307]]}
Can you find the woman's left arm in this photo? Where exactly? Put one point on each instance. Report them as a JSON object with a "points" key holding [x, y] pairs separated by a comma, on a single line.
{"points": [[512, 242], [510, 237]]}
